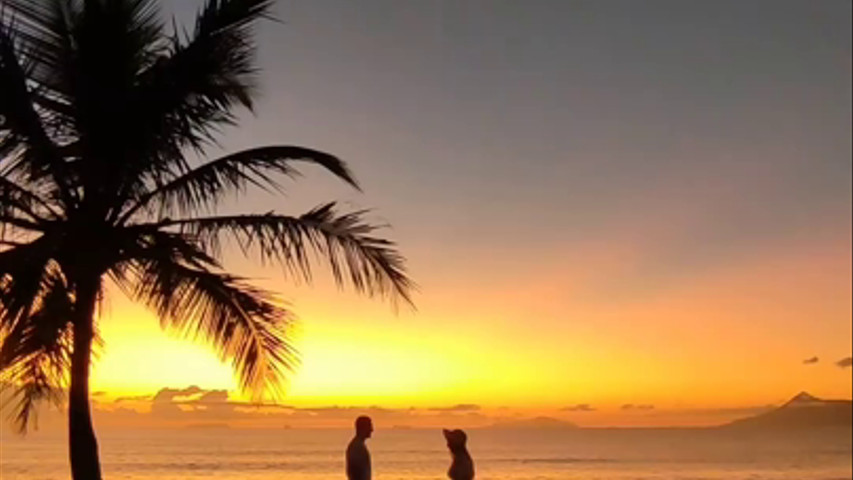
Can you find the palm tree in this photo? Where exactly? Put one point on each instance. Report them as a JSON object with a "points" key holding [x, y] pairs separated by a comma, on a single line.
{"points": [[100, 106]]}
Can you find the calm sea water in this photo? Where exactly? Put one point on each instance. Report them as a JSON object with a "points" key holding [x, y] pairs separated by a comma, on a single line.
{"points": [[420, 454]]}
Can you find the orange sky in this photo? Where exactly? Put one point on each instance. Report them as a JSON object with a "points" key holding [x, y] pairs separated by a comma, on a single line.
{"points": [[550, 345]]}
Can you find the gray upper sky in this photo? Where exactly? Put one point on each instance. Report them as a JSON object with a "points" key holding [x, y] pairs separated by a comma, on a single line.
{"points": [[542, 122]]}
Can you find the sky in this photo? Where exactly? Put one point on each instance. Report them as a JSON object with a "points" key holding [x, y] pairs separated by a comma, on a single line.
{"points": [[603, 204]]}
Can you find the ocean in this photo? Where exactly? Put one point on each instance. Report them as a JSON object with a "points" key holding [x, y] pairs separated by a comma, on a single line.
{"points": [[594, 454]]}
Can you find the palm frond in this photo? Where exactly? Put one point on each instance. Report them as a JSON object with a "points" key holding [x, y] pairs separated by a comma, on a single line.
{"points": [[188, 92], [23, 213], [192, 90], [14, 197], [72, 40], [205, 185], [146, 241], [222, 42], [24, 269], [171, 274], [22, 124], [35, 353], [45, 29], [371, 264], [19, 117], [14, 219], [244, 323]]}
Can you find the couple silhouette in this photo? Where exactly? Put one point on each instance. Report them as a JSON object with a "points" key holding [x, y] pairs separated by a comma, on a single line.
{"points": [[358, 457]]}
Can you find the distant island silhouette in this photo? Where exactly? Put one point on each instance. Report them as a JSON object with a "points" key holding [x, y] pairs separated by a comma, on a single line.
{"points": [[804, 411]]}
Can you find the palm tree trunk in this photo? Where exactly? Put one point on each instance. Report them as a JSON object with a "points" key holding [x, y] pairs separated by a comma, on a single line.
{"points": [[83, 447]]}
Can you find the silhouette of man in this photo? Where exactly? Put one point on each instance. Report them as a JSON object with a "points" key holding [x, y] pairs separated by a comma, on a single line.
{"points": [[358, 458]]}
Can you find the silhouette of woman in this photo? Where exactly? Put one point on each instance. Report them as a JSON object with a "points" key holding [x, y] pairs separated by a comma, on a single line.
{"points": [[462, 467]]}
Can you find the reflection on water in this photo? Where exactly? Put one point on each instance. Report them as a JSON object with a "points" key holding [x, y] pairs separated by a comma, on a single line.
{"points": [[421, 455]]}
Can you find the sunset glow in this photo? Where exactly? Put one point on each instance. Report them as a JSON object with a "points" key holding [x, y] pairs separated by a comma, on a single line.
{"points": [[600, 210], [556, 342]]}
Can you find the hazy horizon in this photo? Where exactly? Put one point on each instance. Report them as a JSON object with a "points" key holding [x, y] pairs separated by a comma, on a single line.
{"points": [[194, 406]]}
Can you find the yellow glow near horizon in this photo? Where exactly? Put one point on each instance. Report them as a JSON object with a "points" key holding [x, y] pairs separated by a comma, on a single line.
{"points": [[537, 348], [139, 358]]}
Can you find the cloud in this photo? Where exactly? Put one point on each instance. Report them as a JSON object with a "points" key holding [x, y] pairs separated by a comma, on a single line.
{"points": [[212, 397], [462, 407], [172, 402], [168, 395], [176, 407], [810, 361], [845, 362], [581, 407], [133, 398], [631, 406]]}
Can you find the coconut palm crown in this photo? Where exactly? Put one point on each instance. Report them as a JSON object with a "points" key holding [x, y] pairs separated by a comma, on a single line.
{"points": [[101, 107]]}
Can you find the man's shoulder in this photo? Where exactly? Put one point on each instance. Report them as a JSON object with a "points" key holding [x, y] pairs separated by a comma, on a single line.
{"points": [[356, 447]]}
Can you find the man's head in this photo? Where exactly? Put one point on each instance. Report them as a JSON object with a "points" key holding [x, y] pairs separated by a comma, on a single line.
{"points": [[363, 427]]}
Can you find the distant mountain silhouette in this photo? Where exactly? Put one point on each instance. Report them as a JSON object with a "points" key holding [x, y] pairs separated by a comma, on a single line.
{"points": [[801, 412], [544, 423]]}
